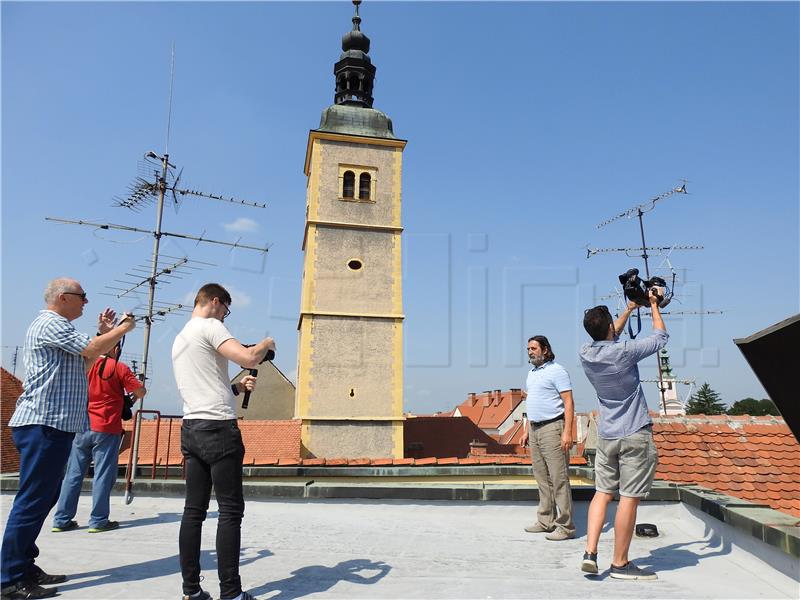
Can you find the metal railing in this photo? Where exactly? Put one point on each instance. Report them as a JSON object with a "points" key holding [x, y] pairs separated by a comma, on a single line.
{"points": [[130, 475]]}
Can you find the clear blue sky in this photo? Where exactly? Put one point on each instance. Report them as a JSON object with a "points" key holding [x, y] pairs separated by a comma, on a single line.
{"points": [[528, 124]]}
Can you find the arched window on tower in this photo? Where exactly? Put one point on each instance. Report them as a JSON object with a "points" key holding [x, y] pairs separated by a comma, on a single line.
{"points": [[364, 186], [348, 184]]}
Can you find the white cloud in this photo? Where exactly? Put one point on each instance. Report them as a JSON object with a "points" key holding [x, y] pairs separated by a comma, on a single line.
{"points": [[241, 224], [240, 298]]}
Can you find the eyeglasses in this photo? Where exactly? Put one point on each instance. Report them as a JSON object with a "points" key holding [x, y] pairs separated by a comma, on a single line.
{"points": [[81, 294], [227, 311]]}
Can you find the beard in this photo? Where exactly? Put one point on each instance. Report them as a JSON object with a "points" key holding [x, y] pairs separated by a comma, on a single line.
{"points": [[536, 362]]}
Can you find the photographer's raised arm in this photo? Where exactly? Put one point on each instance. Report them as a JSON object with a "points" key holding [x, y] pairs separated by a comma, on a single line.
{"points": [[619, 324], [248, 357], [658, 320], [103, 343]]}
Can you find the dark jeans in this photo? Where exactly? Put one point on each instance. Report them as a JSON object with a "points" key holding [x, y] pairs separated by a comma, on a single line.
{"points": [[213, 451], [43, 454]]}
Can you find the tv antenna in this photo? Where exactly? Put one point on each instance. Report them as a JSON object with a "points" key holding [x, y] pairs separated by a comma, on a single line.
{"points": [[154, 190], [639, 211]]}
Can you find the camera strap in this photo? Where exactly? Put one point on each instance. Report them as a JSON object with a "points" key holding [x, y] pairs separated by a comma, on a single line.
{"points": [[638, 324]]}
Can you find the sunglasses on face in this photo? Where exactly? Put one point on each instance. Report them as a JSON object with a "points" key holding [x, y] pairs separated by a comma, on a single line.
{"points": [[81, 294]]}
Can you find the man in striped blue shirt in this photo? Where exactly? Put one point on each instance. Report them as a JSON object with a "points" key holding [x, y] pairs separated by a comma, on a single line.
{"points": [[51, 409]]}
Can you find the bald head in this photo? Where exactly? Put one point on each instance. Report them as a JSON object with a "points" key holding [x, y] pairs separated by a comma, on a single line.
{"points": [[58, 287]]}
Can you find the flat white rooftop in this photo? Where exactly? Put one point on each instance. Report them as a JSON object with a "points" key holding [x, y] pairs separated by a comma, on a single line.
{"points": [[403, 549]]}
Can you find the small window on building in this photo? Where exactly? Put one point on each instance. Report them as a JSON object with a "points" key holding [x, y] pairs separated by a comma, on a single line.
{"points": [[364, 186], [354, 264], [348, 184]]}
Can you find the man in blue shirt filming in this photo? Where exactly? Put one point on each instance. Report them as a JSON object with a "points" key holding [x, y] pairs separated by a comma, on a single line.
{"points": [[626, 455]]}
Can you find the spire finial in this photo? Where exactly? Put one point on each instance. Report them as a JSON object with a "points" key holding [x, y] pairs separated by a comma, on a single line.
{"points": [[356, 17]]}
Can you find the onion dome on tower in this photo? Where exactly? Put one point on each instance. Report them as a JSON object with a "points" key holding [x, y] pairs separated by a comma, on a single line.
{"points": [[352, 111]]}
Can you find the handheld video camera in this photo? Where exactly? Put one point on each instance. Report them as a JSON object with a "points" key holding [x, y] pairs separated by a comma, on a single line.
{"points": [[638, 290]]}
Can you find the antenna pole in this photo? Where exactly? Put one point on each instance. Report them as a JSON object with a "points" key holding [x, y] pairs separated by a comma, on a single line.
{"points": [[169, 103], [639, 213], [148, 322]]}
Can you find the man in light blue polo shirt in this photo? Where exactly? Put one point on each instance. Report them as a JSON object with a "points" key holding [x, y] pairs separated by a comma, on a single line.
{"points": [[550, 411], [626, 455]]}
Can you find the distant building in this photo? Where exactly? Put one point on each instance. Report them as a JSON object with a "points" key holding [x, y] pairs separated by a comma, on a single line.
{"points": [[10, 390], [669, 403], [494, 411], [273, 398]]}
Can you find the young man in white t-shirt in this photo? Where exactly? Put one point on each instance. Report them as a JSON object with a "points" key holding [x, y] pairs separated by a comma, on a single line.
{"points": [[211, 442]]}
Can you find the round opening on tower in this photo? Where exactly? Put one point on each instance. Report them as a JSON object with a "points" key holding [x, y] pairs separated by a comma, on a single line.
{"points": [[354, 264]]}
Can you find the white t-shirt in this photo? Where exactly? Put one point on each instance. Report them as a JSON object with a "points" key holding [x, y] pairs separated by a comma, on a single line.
{"points": [[201, 372]]}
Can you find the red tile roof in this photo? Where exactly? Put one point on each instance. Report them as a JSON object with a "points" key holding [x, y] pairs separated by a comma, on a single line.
{"points": [[514, 434], [753, 458], [489, 409], [265, 442], [444, 441], [10, 390]]}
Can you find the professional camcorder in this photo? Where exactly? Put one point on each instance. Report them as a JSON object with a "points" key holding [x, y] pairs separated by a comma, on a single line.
{"points": [[638, 290]]}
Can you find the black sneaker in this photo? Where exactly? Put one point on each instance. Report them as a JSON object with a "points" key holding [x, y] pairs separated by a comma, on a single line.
{"points": [[36, 575], [69, 526], [631, 571], [27, 590], [201, 595], [589, 564], [107, 526]]}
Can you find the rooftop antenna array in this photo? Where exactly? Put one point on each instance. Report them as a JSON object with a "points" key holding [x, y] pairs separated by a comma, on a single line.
{"points": [[148, 190], [639, 211]]}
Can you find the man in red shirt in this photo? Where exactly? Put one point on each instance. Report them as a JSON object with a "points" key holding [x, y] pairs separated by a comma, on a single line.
{"points": [[109, 380]]}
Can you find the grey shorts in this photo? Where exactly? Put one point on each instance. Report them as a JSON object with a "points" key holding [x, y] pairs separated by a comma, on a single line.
{"points": [[627, 465]]}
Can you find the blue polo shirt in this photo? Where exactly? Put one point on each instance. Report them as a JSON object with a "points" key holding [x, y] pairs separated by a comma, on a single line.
{"points": [[544, 386], [612, 369]]}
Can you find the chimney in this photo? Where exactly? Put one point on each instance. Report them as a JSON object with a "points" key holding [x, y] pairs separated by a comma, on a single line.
{"points": [[498, 397], [487, 400], [477, 448], [471, 398]]}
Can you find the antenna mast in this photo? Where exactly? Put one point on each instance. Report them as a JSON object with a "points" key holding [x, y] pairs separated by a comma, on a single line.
{"points": [[639, 212], [144, 191]]}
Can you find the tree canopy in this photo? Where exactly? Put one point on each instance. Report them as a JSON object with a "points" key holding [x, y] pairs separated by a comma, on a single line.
{"points": [[705, 402], [756, 408]]}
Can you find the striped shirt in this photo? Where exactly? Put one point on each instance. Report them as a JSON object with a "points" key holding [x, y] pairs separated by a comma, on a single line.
{"points": [[55, 388]]}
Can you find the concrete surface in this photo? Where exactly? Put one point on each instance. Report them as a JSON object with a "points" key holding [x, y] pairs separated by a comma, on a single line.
{"points": [[403, 549]]}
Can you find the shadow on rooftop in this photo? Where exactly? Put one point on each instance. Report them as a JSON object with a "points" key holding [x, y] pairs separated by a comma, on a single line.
{"points": [[160, 518], [675, 556], [149, 569], [317, 578], [689, 554]]}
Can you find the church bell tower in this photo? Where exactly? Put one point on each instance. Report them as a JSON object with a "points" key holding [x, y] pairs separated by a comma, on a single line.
{"points": [[350, 358]]}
